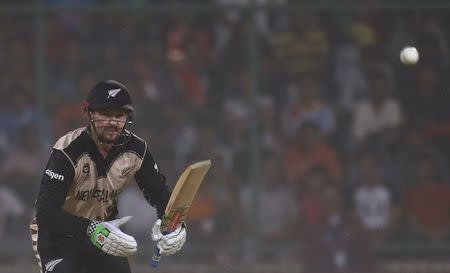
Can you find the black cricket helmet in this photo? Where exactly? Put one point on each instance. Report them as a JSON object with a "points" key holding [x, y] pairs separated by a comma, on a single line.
{"points": [[108, 94], [114, 95]]}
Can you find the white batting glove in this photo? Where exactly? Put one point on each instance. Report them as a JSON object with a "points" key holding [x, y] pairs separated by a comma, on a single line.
{"points": [[170, 243], [107, 237]]}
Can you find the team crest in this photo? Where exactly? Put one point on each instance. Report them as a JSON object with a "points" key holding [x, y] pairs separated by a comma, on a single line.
{"points": [[113, 92], [85, 170]]}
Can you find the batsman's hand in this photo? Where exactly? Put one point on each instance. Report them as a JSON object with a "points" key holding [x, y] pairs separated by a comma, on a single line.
{"points": [[169, 243], [107, 237]]}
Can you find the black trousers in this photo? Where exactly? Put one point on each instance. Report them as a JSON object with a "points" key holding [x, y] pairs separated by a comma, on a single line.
{"points": [[80, 263], [72, 255]]}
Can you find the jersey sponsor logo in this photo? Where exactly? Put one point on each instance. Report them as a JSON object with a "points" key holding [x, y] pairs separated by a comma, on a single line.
{"points": [[113, 92], [54, 175], [103, 196]]}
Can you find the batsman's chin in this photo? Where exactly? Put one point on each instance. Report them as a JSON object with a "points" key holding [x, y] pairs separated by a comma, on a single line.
{"points": [[111, 137]]}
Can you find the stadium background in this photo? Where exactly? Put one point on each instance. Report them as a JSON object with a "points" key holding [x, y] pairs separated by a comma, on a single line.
{"points": [[329, 155]]}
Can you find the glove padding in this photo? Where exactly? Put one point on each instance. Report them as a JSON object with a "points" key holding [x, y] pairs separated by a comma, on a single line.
{"points": [[107, 237], [170, 243]]}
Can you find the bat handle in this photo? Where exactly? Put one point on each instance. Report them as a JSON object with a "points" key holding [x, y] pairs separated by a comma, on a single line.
{"points": [[157, 254], [155, 258]]}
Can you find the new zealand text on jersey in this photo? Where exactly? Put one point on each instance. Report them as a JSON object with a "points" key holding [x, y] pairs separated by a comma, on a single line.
{"points": [[101, 195]]}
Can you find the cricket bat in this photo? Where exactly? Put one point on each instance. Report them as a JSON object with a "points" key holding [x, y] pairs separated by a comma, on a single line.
{"points": [[181, 199]]}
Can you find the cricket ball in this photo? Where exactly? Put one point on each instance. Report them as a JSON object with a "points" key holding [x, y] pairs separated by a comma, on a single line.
{"points": [[409, 55]]}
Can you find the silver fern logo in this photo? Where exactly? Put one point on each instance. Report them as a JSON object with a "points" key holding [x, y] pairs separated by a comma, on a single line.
{"points": [[113, 92]]}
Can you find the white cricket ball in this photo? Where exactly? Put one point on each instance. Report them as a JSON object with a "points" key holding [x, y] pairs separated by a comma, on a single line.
{"points": [[409, 55]]}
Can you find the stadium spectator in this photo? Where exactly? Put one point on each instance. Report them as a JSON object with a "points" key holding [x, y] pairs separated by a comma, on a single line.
{"points": [[349, 73], [306, 104], [21, 111], [237, 115], [373, 201], [237, 104], [66, 110], [21, 167], [309, 149], [312, 204], [411, 148], [268, 116], [189, 55], [275, 207], [378, 117], [426, 204], [12, 210], [340, 244], [207, 144], [225, 191], [203, 215]]}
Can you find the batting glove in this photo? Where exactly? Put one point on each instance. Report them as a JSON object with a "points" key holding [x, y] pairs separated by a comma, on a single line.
{"points": [[169, 243], [107, 237]]}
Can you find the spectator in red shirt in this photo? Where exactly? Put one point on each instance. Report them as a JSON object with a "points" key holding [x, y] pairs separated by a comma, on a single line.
{"points": [[312, 204], [427, 204], [310, 149]]}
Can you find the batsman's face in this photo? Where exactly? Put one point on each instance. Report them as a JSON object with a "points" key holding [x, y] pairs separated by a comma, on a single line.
{"points": [[109, 124]]}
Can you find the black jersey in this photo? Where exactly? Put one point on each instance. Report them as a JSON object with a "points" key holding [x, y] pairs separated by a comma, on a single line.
{"points": [[80, 185]]}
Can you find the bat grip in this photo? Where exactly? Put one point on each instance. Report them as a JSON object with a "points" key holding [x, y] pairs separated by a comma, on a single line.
{"points": [[155, 258], [157, 254]]}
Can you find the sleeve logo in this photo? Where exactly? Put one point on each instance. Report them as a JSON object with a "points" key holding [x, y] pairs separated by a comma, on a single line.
{"points": [[54, 175]]}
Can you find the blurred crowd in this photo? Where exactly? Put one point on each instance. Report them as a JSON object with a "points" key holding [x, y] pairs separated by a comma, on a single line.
{"points": [[323, 144]]}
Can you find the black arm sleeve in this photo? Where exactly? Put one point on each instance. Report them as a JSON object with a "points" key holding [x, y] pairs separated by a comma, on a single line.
{"points": [[55, 183], [153, 184]]}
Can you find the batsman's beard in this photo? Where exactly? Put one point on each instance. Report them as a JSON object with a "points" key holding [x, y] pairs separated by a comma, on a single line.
{"points": [[110, 134]]}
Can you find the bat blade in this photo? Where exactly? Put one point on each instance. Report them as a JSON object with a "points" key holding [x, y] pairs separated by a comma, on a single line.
{"points": [[181, 199], [183, 194]]}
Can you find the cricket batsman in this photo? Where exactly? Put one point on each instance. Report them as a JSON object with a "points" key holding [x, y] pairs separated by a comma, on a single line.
{"points": [[75, 230]]}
